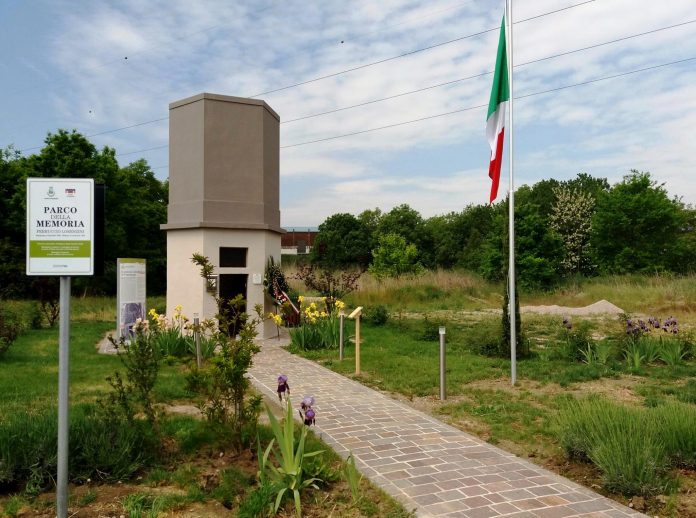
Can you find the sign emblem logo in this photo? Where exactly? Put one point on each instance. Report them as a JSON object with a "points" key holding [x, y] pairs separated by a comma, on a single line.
{"points": [[51, 192]]}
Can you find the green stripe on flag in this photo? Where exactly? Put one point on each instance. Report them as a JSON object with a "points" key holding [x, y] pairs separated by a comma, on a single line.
{"points": [[501, 90]]}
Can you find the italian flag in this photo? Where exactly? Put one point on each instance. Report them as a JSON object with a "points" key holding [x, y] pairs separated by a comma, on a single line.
{"points": [[495, 123]]}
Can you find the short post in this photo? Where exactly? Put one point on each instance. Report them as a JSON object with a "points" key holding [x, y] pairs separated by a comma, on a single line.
{"points": [[197, 338], [356, 315], [442, 363], [341, 315]]}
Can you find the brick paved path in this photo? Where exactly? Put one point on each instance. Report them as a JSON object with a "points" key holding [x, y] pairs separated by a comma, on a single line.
{"points": [[427, 465]]}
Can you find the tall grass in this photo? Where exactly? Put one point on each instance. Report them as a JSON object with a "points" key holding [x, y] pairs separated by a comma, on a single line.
{"points": [[632, 447], [635, 293], [432, 289], [100, 449], [641, 293]]}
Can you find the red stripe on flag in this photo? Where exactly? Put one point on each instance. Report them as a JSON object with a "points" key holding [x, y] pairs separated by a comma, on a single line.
{"points": [[494, 166]]}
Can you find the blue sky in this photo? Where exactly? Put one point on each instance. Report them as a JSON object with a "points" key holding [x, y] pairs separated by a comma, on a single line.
{"points": [[64, 66]]}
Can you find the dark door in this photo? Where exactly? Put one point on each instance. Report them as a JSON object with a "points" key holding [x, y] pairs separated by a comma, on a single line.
{"points": [[233, 314]]}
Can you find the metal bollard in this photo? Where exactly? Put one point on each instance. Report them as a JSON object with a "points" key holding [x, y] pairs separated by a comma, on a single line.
{"points": [[197, 338], [340, 337], [443, 395]]}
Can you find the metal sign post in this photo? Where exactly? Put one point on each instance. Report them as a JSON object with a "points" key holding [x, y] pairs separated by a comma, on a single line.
{"points": [[60, 242], [63, 398]]}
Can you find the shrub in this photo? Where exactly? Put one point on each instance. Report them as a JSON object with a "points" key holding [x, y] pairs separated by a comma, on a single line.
{"points": [[319, 327], [430, 329], [576, 339], [224, 386], [10, 328], [259, 503], [288, 473], [483, 337], [376, 315], [629, 446], [100, 448], [677, 422], [134, 394]]}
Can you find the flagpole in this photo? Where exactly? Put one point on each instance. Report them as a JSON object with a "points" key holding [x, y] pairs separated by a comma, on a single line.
{"points": [[511, 204]]}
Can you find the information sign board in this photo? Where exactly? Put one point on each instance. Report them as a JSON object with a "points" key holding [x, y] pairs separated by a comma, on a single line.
{"points": [[60, 229], [131, 293]]}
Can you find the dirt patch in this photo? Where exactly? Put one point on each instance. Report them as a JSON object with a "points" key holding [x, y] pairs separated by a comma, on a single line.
{"points": [[189, 410], [598, 309], [602, 307]]}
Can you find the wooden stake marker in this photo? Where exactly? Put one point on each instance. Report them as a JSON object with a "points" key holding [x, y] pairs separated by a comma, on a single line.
{"points": [[356, 315]]}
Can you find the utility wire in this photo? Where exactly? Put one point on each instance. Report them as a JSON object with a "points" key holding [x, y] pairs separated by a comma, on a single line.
{"points": [[484, 105], [412, 52], [411, 91], [487, 73], [617, 40], [590, 81], [605, 78], [142, 150]]}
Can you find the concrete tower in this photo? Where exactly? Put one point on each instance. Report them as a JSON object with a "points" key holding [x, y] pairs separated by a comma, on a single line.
{"points": [[223, 200]]}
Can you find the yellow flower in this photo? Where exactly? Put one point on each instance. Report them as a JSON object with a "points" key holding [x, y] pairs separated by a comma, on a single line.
{"points": [[339, 304], [278, 320], [177, 309], [300, 299]]}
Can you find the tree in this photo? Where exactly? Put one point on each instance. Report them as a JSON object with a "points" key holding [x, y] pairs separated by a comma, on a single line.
{"points": [[343, 241], [135, 207], [538, 250], [394, 257], [571, 218], [637, 227], [13, 281], [409, 224]]}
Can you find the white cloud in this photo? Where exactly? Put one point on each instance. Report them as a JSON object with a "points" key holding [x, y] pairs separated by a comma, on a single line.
{"points": [[179, 48]]}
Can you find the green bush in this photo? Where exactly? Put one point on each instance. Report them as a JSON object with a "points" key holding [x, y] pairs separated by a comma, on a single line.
{"points": [[376, 315], [677, 423], [100, 448], [10, 327], [259, 503], [430, 329], [577, 340], [632, 447], [483, 337]]}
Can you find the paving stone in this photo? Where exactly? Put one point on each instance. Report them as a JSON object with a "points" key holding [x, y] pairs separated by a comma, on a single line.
{"points": [[427, 465]]}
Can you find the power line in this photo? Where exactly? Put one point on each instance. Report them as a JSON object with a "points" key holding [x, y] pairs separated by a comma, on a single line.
{"points": [[484, 73], [582, 83], [142, 150], [484, 105], [411, 91], [412, 52], [404, 93]]}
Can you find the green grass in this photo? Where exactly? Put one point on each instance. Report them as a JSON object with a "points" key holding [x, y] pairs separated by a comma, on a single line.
{"points": [[28, 388], [29, 370], [633, 447], [518, 417], [395, 358]]}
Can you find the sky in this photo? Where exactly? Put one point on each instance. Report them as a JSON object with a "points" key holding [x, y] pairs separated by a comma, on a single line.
{"points": [[97, 66]]}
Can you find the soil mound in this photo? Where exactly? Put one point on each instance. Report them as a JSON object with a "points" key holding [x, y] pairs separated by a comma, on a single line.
{"points": [[602, 307]]}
